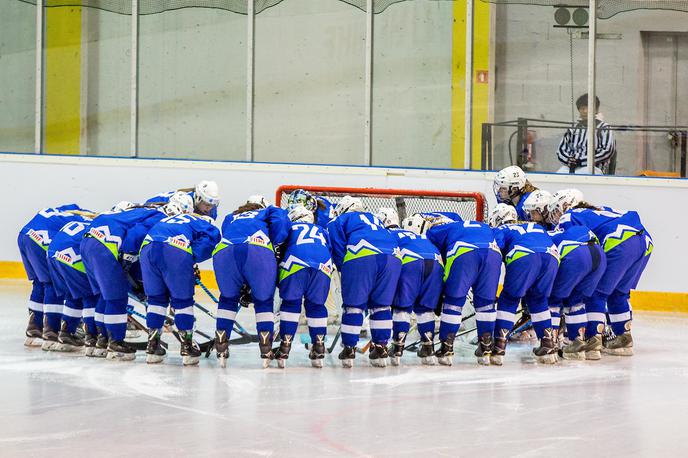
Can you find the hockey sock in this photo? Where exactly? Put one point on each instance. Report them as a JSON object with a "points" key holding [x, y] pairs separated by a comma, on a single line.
{"points": [[380, 324], [450, 319], [116, 318], [71, 313], [156, 311], [426, 324], [36, 303], [265, 318], [576, 319], [506, 314], [539, 316], [401, 323], [183, 313], [596, 308], [352, 320], [88, 314], [555, 313], [227, 309], [99, 316], [316, 315], [52, 306], [485, 315], [290, 311], [619, 312]]}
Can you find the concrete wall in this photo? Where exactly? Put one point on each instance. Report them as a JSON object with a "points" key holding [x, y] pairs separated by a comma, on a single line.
{"points": [[98, 183]]}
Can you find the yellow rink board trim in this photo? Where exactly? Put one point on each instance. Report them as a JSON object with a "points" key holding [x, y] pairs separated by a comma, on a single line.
{"points": [[647, 301], [62, 80]]}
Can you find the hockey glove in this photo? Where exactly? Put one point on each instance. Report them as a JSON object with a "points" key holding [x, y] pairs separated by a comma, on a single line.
{"points": [[245, 296]]}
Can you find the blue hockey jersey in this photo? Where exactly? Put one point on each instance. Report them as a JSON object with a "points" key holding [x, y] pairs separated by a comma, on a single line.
{"points": [[522, 214], [358, 234], [188, 233], [611, 227], [263, 227], [47, 222], [414, 247], [308, 245], [66, 244], [518, 240], [569, 239], [324, 215], [165, 197], [458, 238], [123, 231]]}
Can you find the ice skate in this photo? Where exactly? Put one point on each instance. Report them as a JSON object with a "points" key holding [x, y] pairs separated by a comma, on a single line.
{"points": [[100, 349], [265, 347], [155, 353], [281, 353], [190, 352], [378, 355], [317, 353], [575, 350], [222, 347], [426, 352], [89, 344], [34, 334], [446, 352], [49, 338], [546, 353], [68, 342], [593, 347], [484, 349], [397, 349], [347, 356], [499, 348], [119, 350], [621, 345]]}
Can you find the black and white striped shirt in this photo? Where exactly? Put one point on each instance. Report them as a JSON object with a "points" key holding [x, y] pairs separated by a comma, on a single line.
{"points": [[575, 144]]}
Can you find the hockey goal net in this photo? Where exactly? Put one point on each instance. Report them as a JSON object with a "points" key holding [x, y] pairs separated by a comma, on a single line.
{"points": [[469, 205]]}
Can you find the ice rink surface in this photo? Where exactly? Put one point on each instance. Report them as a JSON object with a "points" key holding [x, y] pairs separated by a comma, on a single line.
{"points": [[54, 405]]}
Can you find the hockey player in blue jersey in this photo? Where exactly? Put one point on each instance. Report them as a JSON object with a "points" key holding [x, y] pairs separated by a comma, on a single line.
{"points": [[205, 195], [531, 265], [109, 252], [304, 277], [246, 256], [511, 187], [627, 246], [45, 305], [472, 261], [321, 206], [581, 265], [535, 208], [169, 253], [367, 255], [419, 286]]}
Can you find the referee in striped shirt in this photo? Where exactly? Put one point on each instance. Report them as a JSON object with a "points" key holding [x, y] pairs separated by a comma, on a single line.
{"points": [[573, 149]]}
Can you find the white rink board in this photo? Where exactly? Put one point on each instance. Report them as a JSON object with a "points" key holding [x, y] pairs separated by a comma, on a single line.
{"points": [[33, 182]]}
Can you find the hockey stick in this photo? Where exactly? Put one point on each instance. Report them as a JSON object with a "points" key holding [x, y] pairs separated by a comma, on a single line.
{"points": [[413, 346], [246, 337]]}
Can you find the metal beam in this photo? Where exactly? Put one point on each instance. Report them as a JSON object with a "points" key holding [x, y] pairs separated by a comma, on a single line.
{"points": [[38, 109], [468, 117], [134, 113], [250, 77], [368, 133], [592, 42]]}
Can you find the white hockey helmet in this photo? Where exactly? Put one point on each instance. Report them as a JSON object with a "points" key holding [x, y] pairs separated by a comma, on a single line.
{"points": [[184, 201], [207, 192], [416, 223], [122, 206], [508, 183], [258, 200], [538, 201], [172, 209], [502, 214], [388, 216], [348, 204], [562, 201], [300, 214]]}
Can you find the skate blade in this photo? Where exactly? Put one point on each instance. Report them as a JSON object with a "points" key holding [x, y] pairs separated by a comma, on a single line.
{"points": [[380, 362], [628, 351], [348, 363], [133, 334], [395, 360], [116, 356], [65, 348], [547, 359], [281, 363], [88, 351], [484, 360], [496, 360], [428, 360], [190, 360], [266, 363], [48, 345], [593, 355], [317, 363], [154, 359], [33, 342], [98, 353], [577, 356], [445, 360], [223, 362]]}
